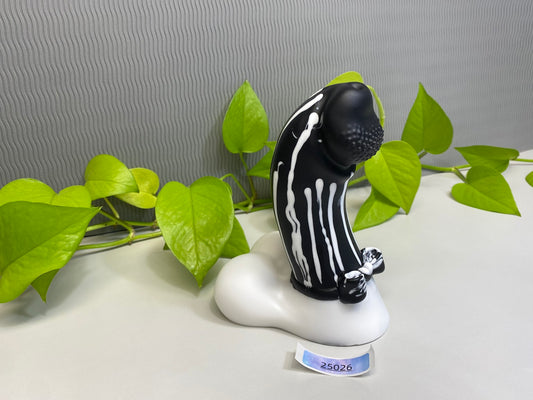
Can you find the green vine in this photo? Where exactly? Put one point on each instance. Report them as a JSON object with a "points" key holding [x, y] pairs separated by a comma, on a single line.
{"points": [[42, 229]]}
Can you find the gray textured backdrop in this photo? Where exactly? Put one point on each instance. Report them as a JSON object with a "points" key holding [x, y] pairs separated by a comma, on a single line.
{"points": [[149, 81]]}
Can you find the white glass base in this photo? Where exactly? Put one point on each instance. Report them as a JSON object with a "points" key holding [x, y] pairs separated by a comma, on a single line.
{"points": [[254, 289]]}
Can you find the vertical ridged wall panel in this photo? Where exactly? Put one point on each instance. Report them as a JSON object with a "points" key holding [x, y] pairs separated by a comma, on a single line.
{"points": [[149, 81]]}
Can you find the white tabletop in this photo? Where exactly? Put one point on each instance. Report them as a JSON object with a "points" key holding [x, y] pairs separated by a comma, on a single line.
{"points": [[130, 323]]}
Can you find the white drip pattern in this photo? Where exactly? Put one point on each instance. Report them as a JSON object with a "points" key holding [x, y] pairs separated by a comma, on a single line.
{"points": [[290, 211], [310, 223], [319, 184], [345, 225], [275, 178], [327, 230], [306, 106], [335, 244]]}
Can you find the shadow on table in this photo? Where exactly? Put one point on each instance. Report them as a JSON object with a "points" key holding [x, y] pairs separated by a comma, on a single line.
{"points": [[167, 267], [29, 307]]}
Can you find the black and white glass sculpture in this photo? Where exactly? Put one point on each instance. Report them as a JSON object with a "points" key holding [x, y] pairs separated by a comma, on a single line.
{"points": [[315, 156], [311, 278]]}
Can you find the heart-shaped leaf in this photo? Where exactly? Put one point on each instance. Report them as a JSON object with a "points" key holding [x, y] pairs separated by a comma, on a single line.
{"points": [[36, 239], [489, 156], [26, 189], [374, 211], [395, 172], [262, 168], [196, 222], [529, 178], [245, 126], [107, 176], [148, 184], [237, 243], [486, 189], [36, 191], [427, 127]]}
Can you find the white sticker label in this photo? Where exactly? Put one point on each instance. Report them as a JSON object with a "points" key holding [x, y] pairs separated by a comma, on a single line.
{"points": [[335, 366]]}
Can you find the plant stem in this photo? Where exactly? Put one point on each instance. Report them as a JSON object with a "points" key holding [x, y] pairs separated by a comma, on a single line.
{"points": [[258, 201], [100, 226], [422, 154], [245, 206], [120, 242], [128, 227], [455, 170], [357, 180], [241, 207], [250, 181], [113, 209], [263, 207], [523, 160], [152, 224], [435, 168], [444, 169], [248, 199], [263, 201], [248, 204], [462, 166]]}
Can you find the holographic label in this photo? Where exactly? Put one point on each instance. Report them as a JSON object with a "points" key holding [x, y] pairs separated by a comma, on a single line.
{"points": [[335, 366]]}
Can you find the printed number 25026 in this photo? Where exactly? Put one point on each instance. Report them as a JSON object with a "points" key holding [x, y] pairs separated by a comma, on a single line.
{"points": [[335, 367]]}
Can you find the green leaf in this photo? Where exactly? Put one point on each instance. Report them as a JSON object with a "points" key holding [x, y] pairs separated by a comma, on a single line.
{"points": [[374, 211], [196, 222], [489, 156], [73, 196], [42, 283], [529, 178], [427, 127], [237, 243], [347, 77], [148, 184], [395, 172], [107, 176], [262, 168], [141, 200], [36, 191], [245, 126], [486, 189], [37, 239], [26, 190]]}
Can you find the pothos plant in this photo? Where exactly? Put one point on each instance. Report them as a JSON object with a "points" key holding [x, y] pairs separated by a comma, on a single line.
{"points": [[40, 229]]}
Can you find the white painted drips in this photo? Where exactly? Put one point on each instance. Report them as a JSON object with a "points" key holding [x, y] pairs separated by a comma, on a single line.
{"points": [[290, 211], [335, 244], [310, 222], [275, 177], [347, 231], [306, 106], [319, 184]]}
